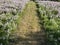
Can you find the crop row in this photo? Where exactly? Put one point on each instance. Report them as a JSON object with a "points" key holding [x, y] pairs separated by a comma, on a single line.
{"points": [[51, 23]]}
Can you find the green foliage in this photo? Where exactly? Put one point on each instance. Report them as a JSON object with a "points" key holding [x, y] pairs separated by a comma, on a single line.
{"points": [[7, 25], [58, 0], [51, 23], [55, 12]]}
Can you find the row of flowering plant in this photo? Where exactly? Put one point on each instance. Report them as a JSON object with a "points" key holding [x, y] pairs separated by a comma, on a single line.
{"points": [[8, 23], [51, 23]]}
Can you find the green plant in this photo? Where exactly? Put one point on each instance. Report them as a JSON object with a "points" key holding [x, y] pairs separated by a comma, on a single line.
{"points": [[51, 23], [58, 0], [7, 25]]}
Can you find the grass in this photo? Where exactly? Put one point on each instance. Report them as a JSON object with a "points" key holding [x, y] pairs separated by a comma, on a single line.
{"points": [[28, 21]]}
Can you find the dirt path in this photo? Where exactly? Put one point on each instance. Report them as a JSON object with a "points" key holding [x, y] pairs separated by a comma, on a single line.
{"points": [[29, 22]]}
